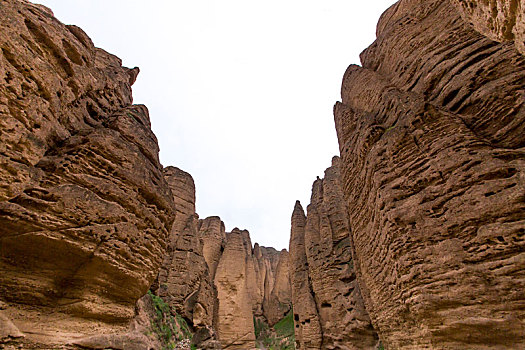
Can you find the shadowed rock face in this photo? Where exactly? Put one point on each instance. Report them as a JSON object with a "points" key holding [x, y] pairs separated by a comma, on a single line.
{"points": [[342, 315], [277, 290], [306, 317], [213, 235], [328, 276], [184, 280], [84, 209], [432, 171]]}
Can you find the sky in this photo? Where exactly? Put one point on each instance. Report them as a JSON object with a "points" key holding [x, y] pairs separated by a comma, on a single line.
{"points": [[240, 92]]}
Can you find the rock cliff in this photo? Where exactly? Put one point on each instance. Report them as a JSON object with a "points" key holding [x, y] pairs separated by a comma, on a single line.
{"points": [[84, 206], [234, 293], [323, 249], [306, 317], [252, 282], [184, 281], [431, 135]]}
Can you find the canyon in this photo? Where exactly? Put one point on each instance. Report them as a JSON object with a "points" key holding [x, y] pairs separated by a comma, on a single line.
{"points": [[413, 239]]}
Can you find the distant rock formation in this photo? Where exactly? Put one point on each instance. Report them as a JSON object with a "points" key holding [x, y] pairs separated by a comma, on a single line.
{"points": [[431, 132], [235, 304], [251, 282], [184, 280], [329, 312], [85, 211], [308, 333]]}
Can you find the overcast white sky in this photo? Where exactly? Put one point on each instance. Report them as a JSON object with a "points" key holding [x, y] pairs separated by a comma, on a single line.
{"points": [[240, 92]]}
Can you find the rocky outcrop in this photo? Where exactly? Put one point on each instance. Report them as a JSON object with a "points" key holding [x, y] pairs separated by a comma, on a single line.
{"points": [[213, 236], [324, 250], [235, 305], [500, 20], [184, 280], [84, 207], [251, 283], [331, 279], [431, 131], [306, 317], [278, 291]]}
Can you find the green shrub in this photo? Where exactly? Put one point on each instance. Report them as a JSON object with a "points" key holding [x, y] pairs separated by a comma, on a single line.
{"points": [[168, 329]]}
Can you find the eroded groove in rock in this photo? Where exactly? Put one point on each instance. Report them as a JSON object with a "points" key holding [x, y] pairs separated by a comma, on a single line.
{"points": [[500, 20], [434, 186], [427, 48]]}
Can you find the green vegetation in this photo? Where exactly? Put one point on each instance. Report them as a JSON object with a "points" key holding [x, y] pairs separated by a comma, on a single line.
{"points": [[281, 337], [284, 327], [380, 346], [260, 327], [168, 328]]}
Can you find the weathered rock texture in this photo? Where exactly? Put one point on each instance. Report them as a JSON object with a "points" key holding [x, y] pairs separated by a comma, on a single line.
{"points": [[331, 279], [184, 280], [235, 304], [306, 317], [213, 235], [277, 289], [251, 282], [500, 20], [431, 135], [84, 209]]}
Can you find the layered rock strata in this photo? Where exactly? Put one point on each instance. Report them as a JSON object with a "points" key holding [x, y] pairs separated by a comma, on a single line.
{"points": [[84, 207], [184, 281], [431, 135], [324, 274]]}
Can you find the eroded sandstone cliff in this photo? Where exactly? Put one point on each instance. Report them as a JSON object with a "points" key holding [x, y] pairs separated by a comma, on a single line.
{"points": [[84, 207], [252, 282], [184, 280], [324, 273], [431, 135]]}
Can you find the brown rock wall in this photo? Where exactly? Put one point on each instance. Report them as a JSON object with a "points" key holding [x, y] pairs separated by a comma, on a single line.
{"points": [[235, 326], [213, 235], [184, 280], [342, 315], [84, 208], [500, 20], [426, 47], [432, 174], [308, 334]]}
